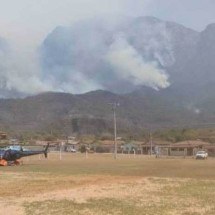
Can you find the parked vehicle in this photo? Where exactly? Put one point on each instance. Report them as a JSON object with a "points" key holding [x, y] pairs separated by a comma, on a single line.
{"points": [[70, 149], [201, 155]]}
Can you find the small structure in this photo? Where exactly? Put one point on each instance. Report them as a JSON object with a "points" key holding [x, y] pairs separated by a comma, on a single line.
{"points": [[131, 147], [106, 146], [185, 148], [210, 150], [3, 135], [13, 141], [155, 147], [3, 138], [70, 139], [67, 145], [72, 146]]}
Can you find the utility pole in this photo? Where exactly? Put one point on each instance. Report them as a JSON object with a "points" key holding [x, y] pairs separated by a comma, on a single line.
{"points": [[150, 134], [60, 152], [114, 106]]}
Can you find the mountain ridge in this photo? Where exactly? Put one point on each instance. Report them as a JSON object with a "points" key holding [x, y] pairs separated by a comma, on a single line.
{"points": [[75, 59]]}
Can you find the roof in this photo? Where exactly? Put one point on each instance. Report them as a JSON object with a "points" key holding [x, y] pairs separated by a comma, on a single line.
{"points": [[73, 143], [187, 144], [111, 142], [157, 143], [191, 143], [3, 135], [210, 147]]}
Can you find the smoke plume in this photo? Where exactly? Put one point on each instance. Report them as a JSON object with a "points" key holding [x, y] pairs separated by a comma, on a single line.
{"points": [[95, 55], [89, 55], [130, 66]]}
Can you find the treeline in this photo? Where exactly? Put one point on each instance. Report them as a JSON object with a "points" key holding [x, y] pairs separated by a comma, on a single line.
{"points": [[170, 135]]}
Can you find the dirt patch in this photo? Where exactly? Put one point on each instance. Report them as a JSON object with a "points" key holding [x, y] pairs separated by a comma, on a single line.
{"points": [[113, 188], [164, 195], [12, 208], [98, 187]]}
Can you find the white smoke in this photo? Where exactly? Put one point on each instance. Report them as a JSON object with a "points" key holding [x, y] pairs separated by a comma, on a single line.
{"points": [[90, 55], [151, 37], [194, 109], [130, 65], [76, 82], [20, 72]]}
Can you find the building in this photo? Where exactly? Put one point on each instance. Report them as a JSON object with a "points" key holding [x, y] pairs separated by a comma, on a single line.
{"points": [[153, 146], [3, 138], [3, 135], [185, 148], [132, 147]]}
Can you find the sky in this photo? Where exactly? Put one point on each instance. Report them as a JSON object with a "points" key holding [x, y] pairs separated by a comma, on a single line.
{"points": [[26, 23]]}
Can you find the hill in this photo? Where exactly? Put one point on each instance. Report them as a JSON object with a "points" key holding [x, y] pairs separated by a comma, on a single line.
{"points": [[160, 72], [91, 113]]}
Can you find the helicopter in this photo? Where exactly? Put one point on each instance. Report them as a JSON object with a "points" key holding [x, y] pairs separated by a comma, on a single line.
{"points": [[11, 156]]}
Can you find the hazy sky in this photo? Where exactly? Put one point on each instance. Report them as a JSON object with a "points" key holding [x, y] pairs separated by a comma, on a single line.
{"points": [[26, 23], [30, 20]]}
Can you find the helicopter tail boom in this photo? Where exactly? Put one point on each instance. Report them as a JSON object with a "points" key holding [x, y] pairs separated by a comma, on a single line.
{"points": [[46, 151]]}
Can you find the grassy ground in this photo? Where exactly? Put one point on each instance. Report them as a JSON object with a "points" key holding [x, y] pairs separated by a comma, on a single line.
{"points": [[101, 185]]}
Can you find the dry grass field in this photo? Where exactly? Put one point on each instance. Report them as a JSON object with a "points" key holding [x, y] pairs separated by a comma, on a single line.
{"points": [[101, 185]]}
